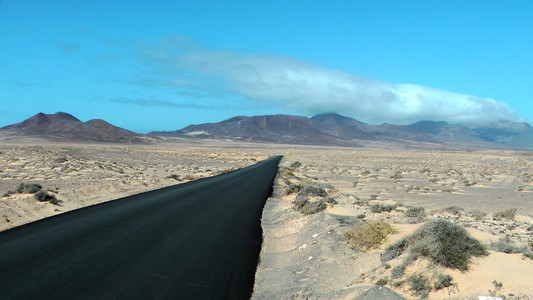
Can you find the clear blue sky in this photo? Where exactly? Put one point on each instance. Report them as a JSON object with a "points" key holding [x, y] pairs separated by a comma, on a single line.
{"points": [[162, 65]]}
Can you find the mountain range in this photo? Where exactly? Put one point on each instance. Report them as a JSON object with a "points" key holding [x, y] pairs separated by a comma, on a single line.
{"points": [[335, 129], [329, 129]]}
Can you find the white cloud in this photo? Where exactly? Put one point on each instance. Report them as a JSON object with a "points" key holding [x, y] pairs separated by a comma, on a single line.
{"points": [[309, 88]]}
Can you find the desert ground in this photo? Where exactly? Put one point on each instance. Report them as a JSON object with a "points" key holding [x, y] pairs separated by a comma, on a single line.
{"points": [[305, 254]]}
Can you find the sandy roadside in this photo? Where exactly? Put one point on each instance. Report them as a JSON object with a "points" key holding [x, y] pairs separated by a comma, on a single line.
{"points": [[304, 257]]}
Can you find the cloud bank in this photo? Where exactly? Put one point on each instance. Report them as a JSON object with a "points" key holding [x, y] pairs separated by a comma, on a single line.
{"points": [[309, 88]]}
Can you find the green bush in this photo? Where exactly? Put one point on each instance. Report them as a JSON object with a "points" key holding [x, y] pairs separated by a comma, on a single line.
{"points": [[174, 176], [379, 208], [28, 188], [443, 242], [43, 196], [528, 253], [25, 188], [293, 188], [302, 203], [368, 235], [415, 215], [443, 281], [415, 212], [382, 281], [419, 285], [505, 245], [398, 284], [313, 207]]}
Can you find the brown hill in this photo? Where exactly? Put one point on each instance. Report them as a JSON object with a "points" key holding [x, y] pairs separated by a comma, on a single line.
{"points": [[324, 129], [271, 128], [65, 127]]}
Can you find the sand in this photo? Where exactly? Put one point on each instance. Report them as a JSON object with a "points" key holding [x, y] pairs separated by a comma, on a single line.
{"points": [[304, 256]]}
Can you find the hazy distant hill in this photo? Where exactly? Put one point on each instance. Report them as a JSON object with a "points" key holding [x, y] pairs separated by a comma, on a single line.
{"points": [[350, 128], [271, 128], [65, 127], [502, 134]]}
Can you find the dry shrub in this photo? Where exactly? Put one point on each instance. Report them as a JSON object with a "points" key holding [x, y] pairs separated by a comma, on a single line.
{"points": [[454, 210], [25, 188], [293, 188], [379, 208], [382, 281], [192, 177], [43, 196], [505, 245], [313, 207], [311, 199], [413, 212], [529, 251], [477, 214], [174, 176], [508, 214], [444, 243], [420, 285], [443, 281], [366, 236]]}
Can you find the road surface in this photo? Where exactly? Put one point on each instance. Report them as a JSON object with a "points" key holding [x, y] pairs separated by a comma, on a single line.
{"points": [[199, 240]]}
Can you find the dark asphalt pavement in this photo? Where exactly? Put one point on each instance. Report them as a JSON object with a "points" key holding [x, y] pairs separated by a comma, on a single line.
{"points": [[199, 240]]}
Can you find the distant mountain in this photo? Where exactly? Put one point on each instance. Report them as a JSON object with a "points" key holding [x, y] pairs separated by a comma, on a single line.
{"points": [[502, 134], [323, 129], [65, 127], [349, 128], [271, 128], [448, 133], [335, 129]]}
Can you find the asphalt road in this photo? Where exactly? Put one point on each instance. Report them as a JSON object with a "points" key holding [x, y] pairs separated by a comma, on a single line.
{"points": [[199, 240]]}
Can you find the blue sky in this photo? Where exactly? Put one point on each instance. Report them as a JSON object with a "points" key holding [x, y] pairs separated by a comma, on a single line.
{"points": [[162, 65]]}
